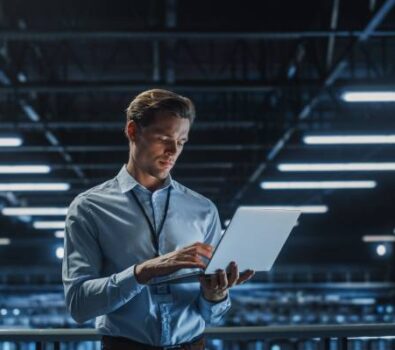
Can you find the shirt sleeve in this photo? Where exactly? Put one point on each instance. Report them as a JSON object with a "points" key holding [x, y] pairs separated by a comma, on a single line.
{"points": [[87, 293], [212, 312]]}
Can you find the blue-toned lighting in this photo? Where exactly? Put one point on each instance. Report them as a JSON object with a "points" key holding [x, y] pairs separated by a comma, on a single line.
{"points": [[10, 141], [368, 96]]}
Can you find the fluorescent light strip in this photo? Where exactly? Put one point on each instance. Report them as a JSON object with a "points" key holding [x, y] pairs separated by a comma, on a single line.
{"points": [[10, 141], [336, 167], [59, 234], [369, 96], [49, 224], [384, 238], [34, 186], [24, 169], [349, 139], [5, 241], [33, 211], [307, 209], [299, 185]]}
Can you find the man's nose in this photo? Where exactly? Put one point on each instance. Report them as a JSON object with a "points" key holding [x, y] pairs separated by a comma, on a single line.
{"points": [[171, 147]]}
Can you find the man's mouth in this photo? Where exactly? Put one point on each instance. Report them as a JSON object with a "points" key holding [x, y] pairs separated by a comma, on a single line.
{"points": [[166, 163]]}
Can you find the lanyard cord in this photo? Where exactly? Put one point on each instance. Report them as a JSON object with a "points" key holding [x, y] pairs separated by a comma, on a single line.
{"points": [[154, 234]]}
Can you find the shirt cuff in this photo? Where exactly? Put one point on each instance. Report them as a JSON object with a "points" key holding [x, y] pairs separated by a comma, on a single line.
{"points": [[127, 283], [214, 310]]}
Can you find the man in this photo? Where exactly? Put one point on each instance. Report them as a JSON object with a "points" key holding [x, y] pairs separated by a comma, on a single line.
{"points": [[123, 234]]}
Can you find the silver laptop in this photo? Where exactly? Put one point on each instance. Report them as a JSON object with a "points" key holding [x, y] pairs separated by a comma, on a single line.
{"points": [[253, 240]]}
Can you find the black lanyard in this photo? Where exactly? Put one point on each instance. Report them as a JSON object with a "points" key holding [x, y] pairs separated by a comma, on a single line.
{"points": [[154, 234]]}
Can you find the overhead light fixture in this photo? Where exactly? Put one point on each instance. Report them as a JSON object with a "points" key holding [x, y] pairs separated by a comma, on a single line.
{"points": [[59, 234], [336, 166], [49, 224], [10, 141], [377, 238], [24, 169], [59, 252], [5, 241], [307, 209], [381, 250], [349, 139], [34, 186], [31, 211], [368, 96], [299, 185]]}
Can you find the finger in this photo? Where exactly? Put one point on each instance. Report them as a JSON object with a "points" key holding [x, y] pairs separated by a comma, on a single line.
{"points": [[200, 251], [202, 245], [189, 261], [204, 282], [222, 279], [192, 257], [214, 281], [233, 274], [245, 276]]}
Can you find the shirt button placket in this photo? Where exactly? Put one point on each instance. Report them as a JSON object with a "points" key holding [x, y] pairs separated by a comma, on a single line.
{"points": [[165, 316]]}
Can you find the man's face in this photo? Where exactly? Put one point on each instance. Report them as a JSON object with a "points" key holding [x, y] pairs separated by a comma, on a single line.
{"points": [[157, 146]]}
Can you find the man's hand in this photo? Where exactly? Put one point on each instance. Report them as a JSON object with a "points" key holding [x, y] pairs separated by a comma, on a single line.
{"points": [[215, 288], [188, 257]]}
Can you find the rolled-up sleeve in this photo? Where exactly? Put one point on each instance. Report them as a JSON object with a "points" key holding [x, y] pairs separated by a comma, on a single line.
{"points": [[88, 294], [212, 312]]}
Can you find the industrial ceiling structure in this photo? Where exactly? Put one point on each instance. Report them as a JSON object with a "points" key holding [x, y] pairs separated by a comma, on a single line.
{"points": [[264, 76]]}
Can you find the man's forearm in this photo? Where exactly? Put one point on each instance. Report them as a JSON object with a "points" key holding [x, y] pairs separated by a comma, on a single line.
{"points": [[95, 297]]}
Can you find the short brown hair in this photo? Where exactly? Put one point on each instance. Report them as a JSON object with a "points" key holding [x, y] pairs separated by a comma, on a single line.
{"points": [[145, 106]]}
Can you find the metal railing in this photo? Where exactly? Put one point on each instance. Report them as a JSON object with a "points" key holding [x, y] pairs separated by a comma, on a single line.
{"points": [[322, 334]]}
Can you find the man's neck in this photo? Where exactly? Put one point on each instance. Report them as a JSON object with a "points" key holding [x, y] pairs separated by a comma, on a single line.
{"points": [[144, 179]]}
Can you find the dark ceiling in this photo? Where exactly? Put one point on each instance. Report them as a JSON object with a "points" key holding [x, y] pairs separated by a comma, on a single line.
{"points": [[262, 74]]}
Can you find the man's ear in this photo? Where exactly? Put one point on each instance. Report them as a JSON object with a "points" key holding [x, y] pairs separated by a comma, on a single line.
{"points": [[131, 130]]}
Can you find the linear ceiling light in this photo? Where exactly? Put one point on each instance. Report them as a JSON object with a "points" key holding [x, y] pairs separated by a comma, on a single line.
{"points": [[300, 185], [384, 238], [368, 96], [336, 167], [48, 224], [10, 141], [307, 209], [59, 234], [50, 211], [24, 169], [349, 139], [34, 186], [5, 241]]}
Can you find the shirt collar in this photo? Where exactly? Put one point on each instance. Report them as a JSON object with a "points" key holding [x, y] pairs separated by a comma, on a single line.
{"points": [[127, 182]]}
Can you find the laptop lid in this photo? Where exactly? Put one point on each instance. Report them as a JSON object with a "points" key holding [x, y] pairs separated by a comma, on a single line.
{"points": [[253, 240]]}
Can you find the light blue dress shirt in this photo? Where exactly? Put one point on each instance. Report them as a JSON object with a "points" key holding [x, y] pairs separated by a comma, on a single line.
{"points": [[107, 234]]}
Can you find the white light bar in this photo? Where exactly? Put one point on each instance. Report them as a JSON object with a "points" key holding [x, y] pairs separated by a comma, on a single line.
{"points": [[349, 139], [384, 238], [336, 167], [34, 186], [59, 234], [369, 96], [5, 241], [299, 185], [34, 211], [24, 169], [307, 209], [10, 141], [48, 224]]}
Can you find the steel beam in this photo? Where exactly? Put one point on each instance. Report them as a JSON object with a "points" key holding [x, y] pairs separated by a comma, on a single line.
{"points": [[113, 148], [83, 87], [220, 124], [166, 35], [332, 76]]}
